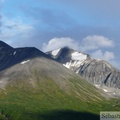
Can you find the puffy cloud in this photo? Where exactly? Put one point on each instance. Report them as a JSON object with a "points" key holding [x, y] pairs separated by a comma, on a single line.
{"points": [[96, 42], [107, 55], [59, 43]]}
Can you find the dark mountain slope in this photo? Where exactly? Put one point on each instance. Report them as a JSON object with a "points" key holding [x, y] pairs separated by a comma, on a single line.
{"points": [[10, 56]]}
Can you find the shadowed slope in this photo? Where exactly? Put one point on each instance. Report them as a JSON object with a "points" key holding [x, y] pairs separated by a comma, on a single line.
{"points": [[69, 115], [10, 56]]}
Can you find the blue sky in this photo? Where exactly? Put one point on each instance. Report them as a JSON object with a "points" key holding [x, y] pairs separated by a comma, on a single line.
{"points": [[90, 26]]}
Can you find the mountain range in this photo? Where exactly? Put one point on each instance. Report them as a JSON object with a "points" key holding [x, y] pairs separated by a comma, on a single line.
{"points": [[52, 86]]}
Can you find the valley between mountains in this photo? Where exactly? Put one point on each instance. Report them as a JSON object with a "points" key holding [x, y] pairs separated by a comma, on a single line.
{"points": [[57, 85]]}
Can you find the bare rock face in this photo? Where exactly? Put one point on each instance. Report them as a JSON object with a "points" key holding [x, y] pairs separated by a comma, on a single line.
{"points": [[100, 73], [96, 71]]}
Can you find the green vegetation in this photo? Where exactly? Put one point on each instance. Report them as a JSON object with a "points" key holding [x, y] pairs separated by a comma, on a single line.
{"points": [[46, 100]]}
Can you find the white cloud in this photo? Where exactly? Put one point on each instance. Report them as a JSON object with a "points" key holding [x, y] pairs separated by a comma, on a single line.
{"points": [[107, 55], [56, 43], [95, 42]]}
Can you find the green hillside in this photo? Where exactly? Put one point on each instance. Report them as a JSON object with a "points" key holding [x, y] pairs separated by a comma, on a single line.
{"points": [[42, 89], [47, 101]]}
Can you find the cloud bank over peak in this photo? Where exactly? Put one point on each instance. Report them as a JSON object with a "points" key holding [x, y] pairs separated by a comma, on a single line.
{"points": [[88, 43], [95, 45], [107, 55], [56, 43], [100, 47], [96, 42]]}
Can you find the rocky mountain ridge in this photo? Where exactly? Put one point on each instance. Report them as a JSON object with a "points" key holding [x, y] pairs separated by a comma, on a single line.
{"points": [[33, 87], [28, 67], [19, 61], [96, 71]]}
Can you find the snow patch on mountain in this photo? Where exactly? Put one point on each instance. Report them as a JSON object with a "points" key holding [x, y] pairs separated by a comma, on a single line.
{"points": [[105, 90], [78, 56], [25, 62], [55, 52], [67, 65], [77, 59], [14, 53], [73, 63]]}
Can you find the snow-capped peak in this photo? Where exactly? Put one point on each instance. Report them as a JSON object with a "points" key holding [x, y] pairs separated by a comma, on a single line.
{"points": [[70, 58]]}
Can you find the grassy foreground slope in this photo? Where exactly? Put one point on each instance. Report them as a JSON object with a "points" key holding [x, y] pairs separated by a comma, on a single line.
{"points": [[37, 93]]}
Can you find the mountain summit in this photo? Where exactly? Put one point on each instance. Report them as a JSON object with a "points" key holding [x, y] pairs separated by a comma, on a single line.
{"points": [[64, 55], [96, 71]]}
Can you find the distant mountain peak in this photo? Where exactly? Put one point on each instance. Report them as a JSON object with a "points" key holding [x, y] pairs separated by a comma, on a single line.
{"points": [[66, 54], [96, 71]]}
